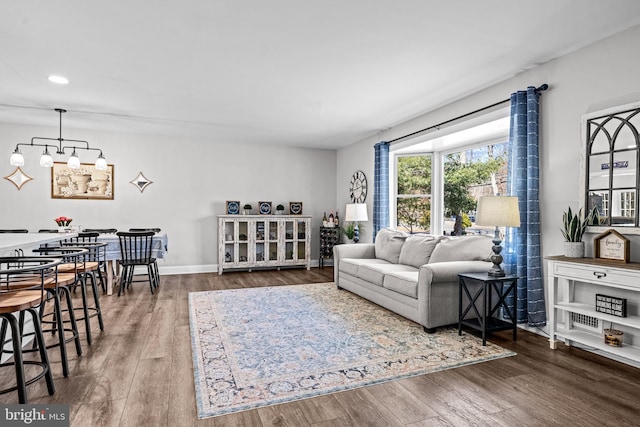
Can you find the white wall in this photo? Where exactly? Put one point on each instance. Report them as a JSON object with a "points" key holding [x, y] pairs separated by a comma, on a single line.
{"points": [[599, 76], [192, 180]]}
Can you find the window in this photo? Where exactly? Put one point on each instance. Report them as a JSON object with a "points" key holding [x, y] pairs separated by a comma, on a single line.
{"points": [[413, 191], [469, 174], [628, 204], [442, 175]]}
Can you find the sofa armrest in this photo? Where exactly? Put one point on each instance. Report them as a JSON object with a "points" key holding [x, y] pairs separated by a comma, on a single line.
{"points": [[439, 272], [355, 250]]}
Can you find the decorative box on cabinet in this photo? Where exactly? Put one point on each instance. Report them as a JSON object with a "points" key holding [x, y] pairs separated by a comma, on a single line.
{"points": [[329, 237], [578, 321], [252, 241]]}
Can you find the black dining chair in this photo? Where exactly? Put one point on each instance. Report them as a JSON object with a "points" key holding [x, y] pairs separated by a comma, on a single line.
{"points": [[22, 291], [138, 230], [48, 230], [101, 230], [135, 250], [15, 230]]}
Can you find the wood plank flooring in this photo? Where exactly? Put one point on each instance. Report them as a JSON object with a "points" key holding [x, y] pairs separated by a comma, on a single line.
{"points": [[139, 372]]}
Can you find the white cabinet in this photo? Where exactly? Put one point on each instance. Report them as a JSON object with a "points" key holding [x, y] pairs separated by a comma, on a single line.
{"points": [[252, 241], [576, 320]]}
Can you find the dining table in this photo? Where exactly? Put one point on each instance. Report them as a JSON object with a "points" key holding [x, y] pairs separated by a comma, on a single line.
{"points": [[160, 245]]}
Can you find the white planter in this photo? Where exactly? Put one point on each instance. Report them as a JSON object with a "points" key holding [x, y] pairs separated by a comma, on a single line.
{"points": [[574, 249]]}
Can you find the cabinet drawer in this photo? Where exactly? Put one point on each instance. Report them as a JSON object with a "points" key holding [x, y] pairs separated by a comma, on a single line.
{"points": [[598, 274]]}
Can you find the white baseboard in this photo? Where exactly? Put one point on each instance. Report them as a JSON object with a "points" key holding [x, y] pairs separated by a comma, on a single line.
{"points": [[205, 268]]}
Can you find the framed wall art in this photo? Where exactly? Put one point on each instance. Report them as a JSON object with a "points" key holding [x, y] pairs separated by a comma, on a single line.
{"points": [[83, 183]]}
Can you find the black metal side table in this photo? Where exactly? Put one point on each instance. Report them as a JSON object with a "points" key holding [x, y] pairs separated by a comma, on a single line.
{"points": [[487, 289]]}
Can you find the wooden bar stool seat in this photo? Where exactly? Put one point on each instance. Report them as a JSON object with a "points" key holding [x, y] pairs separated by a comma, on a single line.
{"points": [[16, 300]]}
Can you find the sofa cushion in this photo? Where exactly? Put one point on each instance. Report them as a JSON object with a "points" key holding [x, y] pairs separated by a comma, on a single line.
{"points": [[351, 265], [417, 249], [374, 273], [389, 244], [464, 248], [403, 282]]}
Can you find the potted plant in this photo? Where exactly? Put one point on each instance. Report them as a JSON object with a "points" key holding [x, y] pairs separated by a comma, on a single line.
{"points": [[574, 227], [349, 230], [246, 209], [280, 210]]}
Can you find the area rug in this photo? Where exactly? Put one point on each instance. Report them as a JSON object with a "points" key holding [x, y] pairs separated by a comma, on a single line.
{"points": [[262, 346]]}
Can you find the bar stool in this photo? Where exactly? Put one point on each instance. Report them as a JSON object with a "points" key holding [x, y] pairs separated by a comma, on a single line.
{"points": [[18, 297], [71, 259], [86, 270]]}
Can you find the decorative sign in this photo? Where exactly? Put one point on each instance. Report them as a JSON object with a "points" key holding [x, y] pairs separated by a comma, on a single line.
{"points": [[264, 208], [611, 245], [295, 208], [611, 305], [233, 207]]}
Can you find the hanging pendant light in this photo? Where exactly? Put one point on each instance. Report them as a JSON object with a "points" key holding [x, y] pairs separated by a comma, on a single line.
{"points": [[101, 163], [16, 158], [47, 161], [74, 161]]}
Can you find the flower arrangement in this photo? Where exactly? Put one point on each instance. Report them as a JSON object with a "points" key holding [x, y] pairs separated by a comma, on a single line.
{"points": [[63, 221]]}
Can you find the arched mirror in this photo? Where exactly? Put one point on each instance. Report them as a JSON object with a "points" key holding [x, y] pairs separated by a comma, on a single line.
{"points": [[611, 175]]}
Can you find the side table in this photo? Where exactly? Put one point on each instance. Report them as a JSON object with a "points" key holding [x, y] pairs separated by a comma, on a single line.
{"points": [[481, 303]]}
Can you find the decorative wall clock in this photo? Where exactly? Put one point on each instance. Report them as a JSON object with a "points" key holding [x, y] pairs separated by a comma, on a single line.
{"points": [[358, 187]]}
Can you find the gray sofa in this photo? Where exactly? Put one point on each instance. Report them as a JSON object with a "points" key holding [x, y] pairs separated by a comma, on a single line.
{"points": [[415, 276]]}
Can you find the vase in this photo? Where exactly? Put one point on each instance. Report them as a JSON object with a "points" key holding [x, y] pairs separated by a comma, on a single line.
{"points": [[574, 249]]}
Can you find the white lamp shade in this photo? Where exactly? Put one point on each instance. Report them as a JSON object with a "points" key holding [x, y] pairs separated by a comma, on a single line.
{"points": [[46, 161], [101, 163], [356, 212], [499, 211], [16, 159], [74, 161]]}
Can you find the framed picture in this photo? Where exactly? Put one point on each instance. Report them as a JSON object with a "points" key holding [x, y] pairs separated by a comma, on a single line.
{"points": [[233, 207], [612, 246], [264, 208], [83, 183], [295, 208]]}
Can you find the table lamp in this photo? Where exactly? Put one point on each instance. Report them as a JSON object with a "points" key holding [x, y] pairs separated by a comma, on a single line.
{"points": [[356, 212], [498, 211]]}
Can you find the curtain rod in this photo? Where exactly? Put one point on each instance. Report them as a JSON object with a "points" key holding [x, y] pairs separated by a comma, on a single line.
{"points": [[504, 101]]}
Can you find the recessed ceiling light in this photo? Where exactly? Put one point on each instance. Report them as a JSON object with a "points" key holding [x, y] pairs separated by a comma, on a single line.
{"points": [[58, 79]]}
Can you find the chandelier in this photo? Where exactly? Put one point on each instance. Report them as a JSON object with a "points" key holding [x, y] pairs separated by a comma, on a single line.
{"points": [[47, 161]]}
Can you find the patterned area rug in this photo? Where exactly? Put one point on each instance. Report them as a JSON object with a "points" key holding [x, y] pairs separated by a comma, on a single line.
{"points": [[261, 346]]}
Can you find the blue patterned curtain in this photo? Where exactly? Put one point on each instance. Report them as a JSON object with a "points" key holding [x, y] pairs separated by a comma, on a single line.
{"points": [[522, 255], [381, 188]]}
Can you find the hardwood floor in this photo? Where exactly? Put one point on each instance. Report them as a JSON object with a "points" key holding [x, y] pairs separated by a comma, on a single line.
{"points": [[139, 372]]}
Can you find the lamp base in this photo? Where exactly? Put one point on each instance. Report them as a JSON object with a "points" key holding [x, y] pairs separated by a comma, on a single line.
{"points": [[496, 258], [356, 233]]}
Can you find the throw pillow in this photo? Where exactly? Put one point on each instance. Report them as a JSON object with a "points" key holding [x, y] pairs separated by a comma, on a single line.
{"points": [[417, 250], [464, 248], [389, 244]]}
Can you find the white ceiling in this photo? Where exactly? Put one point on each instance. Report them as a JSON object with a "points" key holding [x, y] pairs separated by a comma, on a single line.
{"points": [[298, 72]]}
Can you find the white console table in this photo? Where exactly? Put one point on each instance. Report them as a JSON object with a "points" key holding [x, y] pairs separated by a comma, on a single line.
{"points": [[564, 275]]}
